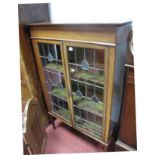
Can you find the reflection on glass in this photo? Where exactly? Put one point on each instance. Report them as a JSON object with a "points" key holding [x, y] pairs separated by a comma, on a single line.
{"points": [[87, 64], [51, 56], [88, 121], [51, 60], [87, 81]]}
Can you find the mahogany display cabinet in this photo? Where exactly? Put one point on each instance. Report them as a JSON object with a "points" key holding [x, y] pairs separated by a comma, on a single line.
{"points": [[81, 69]]}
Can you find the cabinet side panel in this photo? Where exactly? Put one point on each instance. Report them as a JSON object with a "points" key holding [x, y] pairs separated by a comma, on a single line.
{"points": [[128, 116], [122, 33], [118, 80]]}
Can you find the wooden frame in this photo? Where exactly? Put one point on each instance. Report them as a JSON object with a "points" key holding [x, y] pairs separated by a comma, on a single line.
{"points": [[106, 53], [41, 74]]}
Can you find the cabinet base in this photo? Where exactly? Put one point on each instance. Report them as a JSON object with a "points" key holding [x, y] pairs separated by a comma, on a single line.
{"points": [[106, 147], [120, 146]]}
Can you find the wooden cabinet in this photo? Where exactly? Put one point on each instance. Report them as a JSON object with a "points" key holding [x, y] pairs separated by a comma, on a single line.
{"points": [[81, 68]]}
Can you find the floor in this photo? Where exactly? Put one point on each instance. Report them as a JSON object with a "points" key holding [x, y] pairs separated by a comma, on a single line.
{"points": [[64, 139]]}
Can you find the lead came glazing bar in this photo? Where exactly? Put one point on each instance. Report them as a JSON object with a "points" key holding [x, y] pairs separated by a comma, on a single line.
{"points": [[42, 45], [90, 122], [56, 52], [53, 72], [47, 58], [73, 79], [91, 67], [94, 97], [50, 56], [87, 83], [60, 82], [85, 64], [97, 114], [78, 92]]}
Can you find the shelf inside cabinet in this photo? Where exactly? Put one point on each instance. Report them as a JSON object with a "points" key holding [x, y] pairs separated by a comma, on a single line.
{"points": [[97, 78], [83, 102], [61, 111], [89, 126], [60, 93], [92, 76], [89, 105], [55, 66]]}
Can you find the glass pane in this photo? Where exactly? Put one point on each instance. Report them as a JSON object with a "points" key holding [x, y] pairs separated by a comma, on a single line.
{"points": [[53, 70], [86, 66]]}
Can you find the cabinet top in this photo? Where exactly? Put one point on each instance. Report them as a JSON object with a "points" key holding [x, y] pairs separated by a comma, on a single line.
{"points": [[80, 25], [107, 33], [114, 24]]}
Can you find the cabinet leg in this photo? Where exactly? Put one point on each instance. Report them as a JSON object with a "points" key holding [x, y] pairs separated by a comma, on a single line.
{"points": [[103, 148], [106, 148], [52, 121]]}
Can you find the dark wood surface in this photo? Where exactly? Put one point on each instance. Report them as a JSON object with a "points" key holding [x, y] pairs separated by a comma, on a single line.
{"points": [[120, 55], [126, 139], [29, 76], [129, 56], [33, 127], [127, 131], [30, 83], [29, 13], [82, 25]]}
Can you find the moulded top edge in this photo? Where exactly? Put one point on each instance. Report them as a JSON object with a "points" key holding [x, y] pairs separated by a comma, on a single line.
{"points": [[92, 26]]}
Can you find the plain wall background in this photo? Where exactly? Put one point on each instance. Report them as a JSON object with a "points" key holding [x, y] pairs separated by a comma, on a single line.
{"points": [[142, 14], [89, 11]]}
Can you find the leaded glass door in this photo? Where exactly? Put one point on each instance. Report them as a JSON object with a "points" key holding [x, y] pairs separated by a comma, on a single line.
{"points": [[50, 60], [86, 65]]}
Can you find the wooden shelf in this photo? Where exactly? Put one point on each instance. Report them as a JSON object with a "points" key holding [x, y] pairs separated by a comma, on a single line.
{"points": [[97, 78], [55, 66], [88, 105], [89, 126], [61, 111], [61, 93]]}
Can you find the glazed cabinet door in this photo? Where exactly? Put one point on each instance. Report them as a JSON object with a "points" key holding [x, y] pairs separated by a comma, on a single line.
{"points": [[50, 61], [86, 65]]}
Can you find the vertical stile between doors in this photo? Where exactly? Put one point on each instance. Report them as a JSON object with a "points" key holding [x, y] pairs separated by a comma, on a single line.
{"points": [[108, 110], [69, 89], [66, 82]]}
